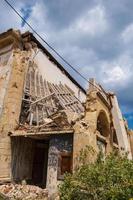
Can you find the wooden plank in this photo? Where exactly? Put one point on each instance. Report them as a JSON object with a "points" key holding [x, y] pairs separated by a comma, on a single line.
{"points": [[35, 83], [42, 92], [51, 99], [67, 97], [57, 94], [32, 83], [31, 119], [38, 85], [46, 98], [46, 93], [79, 105], [47, 131], [36, 107], [43, 98]]}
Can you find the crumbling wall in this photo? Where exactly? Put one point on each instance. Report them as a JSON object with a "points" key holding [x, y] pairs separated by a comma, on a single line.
{"points": [[5, 71], [85, 130], [13, 98], [11, 109], [83, 138]]}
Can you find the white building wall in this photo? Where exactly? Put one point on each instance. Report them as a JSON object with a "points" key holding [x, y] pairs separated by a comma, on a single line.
{"points": [[53, 74]]}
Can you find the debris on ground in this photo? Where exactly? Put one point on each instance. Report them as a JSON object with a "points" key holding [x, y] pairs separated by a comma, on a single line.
{"points": [[23, 192]]}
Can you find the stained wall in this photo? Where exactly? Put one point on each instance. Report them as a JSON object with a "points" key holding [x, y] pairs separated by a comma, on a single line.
{"points": [[85, 130], [58, 144], [11, 100]]}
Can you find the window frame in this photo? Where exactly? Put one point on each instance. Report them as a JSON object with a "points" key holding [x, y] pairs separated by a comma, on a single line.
{"points": [[60, 176]]}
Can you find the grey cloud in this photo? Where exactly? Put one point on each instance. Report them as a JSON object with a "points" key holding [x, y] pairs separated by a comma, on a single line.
{"points": [[96, 52], [63, 13]]}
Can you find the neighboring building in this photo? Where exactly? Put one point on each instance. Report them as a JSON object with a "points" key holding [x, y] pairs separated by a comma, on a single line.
{"points": [[46, 117]]}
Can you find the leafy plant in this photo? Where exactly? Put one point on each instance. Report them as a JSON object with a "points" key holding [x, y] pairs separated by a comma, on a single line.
{"points": [[108, 179]]}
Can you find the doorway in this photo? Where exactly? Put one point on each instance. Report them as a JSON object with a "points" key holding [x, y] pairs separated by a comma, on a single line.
{"points": [[40, 161], [29, 160]]}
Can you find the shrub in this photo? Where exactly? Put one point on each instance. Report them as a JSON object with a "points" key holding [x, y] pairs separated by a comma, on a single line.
{"points": [[111, 179]]}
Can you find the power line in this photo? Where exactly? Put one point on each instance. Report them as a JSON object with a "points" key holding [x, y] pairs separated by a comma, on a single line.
{"points": [[34, 31]]}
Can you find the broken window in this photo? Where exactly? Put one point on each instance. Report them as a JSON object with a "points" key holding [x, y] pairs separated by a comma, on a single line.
{"points": [[64, 164], [102, 124]]}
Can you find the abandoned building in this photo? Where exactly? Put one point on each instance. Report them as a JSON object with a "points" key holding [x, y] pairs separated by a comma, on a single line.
{"points": [[47, 118]]}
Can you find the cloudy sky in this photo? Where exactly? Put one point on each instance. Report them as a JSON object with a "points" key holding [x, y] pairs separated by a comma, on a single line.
{"points": [[95, 36]]}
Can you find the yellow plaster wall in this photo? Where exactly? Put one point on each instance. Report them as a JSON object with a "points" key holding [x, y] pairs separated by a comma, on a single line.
{"points": [[11, 110], [86, 129]]}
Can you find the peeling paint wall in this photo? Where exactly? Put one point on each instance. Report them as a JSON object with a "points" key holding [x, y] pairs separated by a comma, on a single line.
{"points": [[11, 107], [13, 98], [58, 143]]}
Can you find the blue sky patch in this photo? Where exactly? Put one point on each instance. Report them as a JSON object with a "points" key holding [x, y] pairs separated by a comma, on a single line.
{"points": [[26, 12], [129, 118]]}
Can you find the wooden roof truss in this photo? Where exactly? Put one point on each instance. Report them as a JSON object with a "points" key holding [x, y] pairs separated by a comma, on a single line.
{"points": [[42, 99]]}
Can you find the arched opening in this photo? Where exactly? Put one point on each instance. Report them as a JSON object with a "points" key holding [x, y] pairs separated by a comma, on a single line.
{"points": [[103, 124], [103, 130]]}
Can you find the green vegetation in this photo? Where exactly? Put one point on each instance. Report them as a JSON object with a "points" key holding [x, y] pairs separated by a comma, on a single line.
{"points": [[111, 179], [2, 197]]}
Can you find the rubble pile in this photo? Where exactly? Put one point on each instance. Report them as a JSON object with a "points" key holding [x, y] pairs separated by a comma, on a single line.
{"points": [[23, 192]]}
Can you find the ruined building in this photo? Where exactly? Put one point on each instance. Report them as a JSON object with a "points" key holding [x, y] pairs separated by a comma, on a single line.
{"points": [[46, 117]]}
